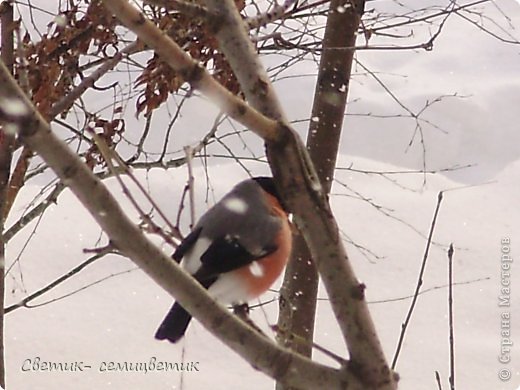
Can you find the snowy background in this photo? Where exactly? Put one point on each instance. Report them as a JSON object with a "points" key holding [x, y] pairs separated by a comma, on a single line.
{"points": [[114, 321]]}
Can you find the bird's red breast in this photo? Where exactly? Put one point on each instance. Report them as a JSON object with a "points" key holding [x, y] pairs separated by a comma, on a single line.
{"points": [[262, 273]]}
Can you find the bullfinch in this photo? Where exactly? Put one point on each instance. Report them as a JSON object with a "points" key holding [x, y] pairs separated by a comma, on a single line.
{"points": [[236, 250]]}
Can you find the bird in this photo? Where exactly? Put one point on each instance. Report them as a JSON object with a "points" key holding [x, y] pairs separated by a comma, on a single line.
{"points": [[237, 249]]}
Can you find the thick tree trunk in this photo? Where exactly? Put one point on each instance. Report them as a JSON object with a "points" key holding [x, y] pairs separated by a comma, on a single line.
{"points": [[300, 287]]}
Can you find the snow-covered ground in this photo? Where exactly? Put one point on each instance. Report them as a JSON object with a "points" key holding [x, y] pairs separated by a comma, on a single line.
{"points": [[114, 321]]}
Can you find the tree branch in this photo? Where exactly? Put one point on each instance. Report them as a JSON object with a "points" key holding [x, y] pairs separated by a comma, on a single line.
{"points": [[191, 71], [58, 281], [291, 164], [234, 42], [65, 102], [418, 286], [35, 212], [450, 318]]}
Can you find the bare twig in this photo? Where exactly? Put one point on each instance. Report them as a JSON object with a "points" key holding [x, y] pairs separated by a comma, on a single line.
{"points": [[450, 311], [443, 12], [404, 326], [142, 139], [181, 207], [65, 102], [438, 380], [481, 25], [427, 290], [170, 127], [35, 212], [238, 159], [403, 172], [301, 340], [191, 188], [109, 156], [60, 280], [379, 208], [177, 162], [82, 288]]}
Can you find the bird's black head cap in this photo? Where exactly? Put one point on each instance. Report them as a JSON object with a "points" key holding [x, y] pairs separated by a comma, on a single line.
{"points": [[267, 184]]}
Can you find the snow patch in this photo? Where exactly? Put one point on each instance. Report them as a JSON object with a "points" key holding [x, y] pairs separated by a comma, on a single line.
{"points": [[61, 20], [13, 107], [191, 262], [236, 205], [256, 269]]}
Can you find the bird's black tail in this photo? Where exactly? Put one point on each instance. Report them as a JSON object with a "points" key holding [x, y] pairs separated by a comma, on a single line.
{"points": [[174, 324]]}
